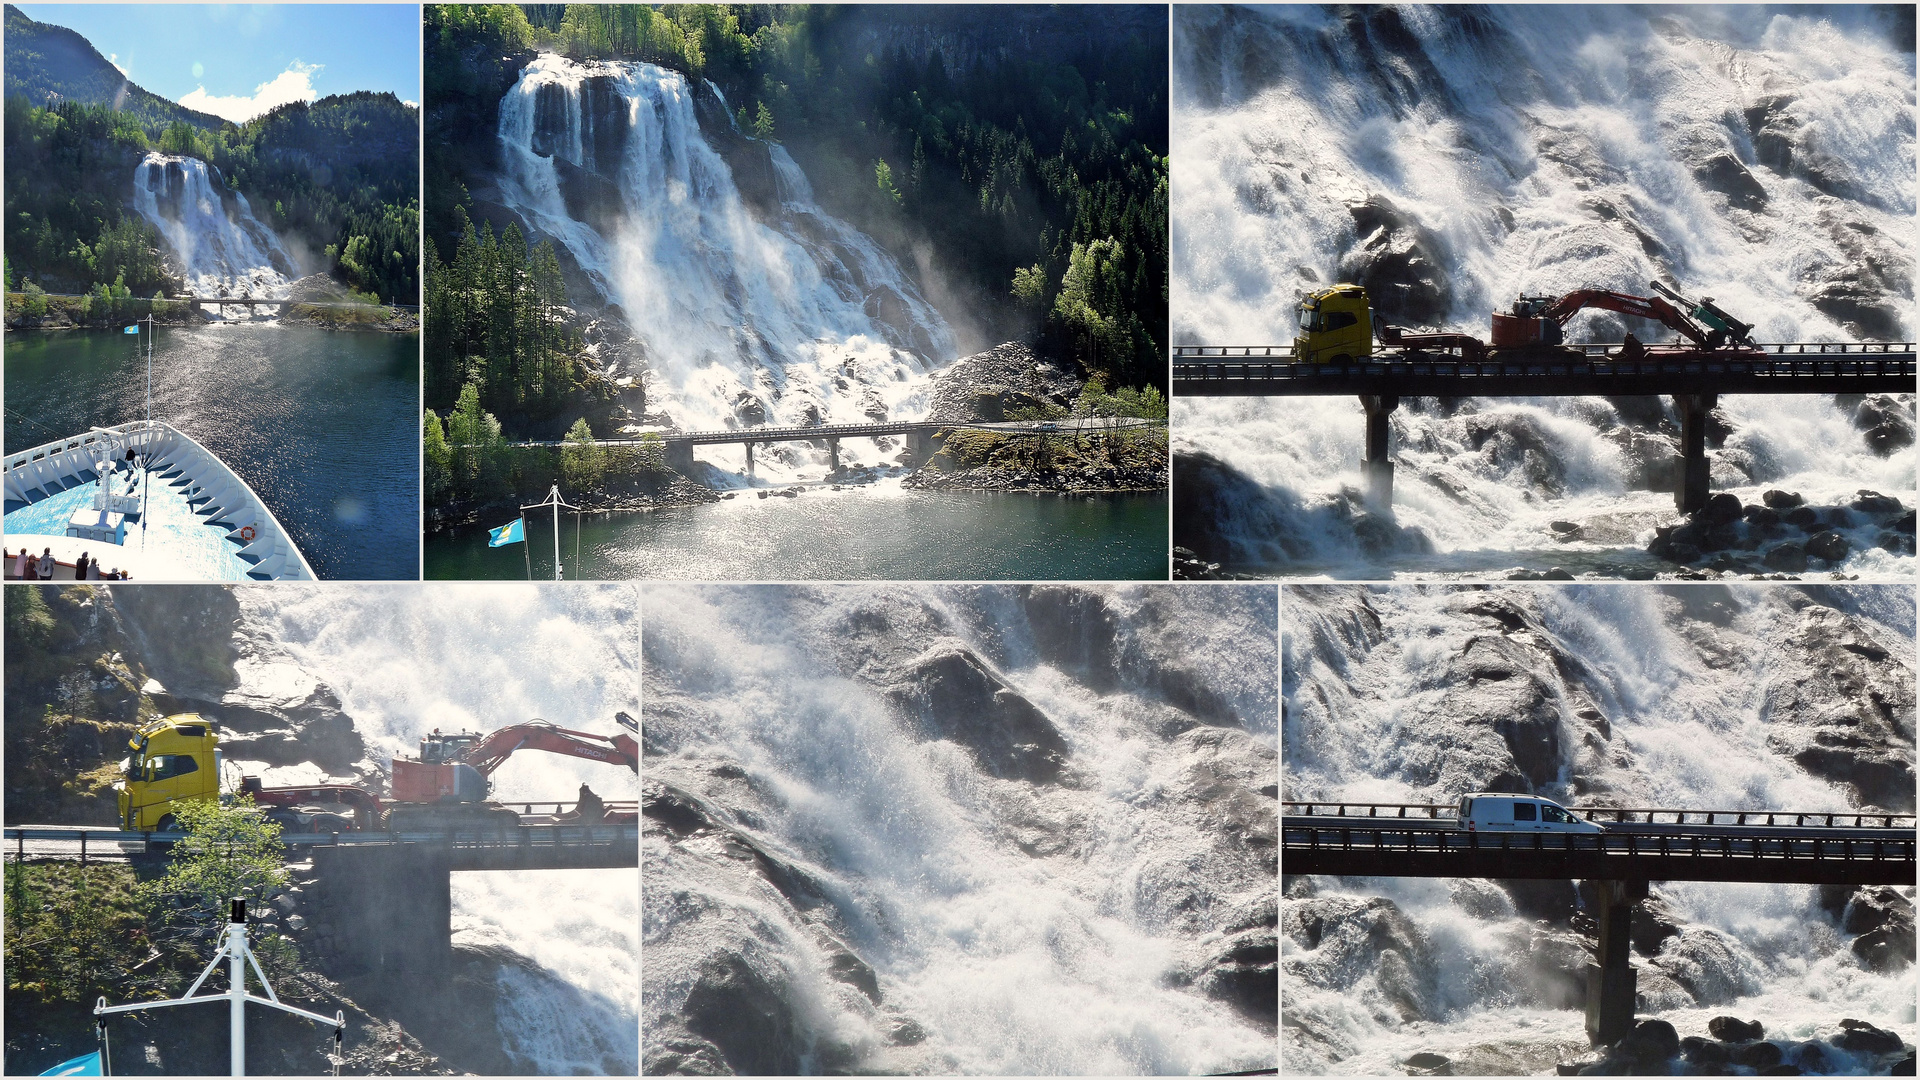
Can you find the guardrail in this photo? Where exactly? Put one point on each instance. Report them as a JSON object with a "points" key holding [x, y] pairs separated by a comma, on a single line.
{"points": [[1837, 819], [1783, 349], [518, 836]]}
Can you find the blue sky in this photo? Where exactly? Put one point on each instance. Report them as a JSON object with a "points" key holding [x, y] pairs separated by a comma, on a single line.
{"points": [[239, 60]]}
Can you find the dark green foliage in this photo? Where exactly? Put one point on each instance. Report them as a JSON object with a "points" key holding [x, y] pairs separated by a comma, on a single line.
{"points": [[493, 325], [1050, 137], [47, 64], [339, 177], [74, 933]]}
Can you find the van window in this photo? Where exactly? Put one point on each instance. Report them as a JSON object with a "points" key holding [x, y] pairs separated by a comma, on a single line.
{"points": [[1523, 811], [1466, 808], [1554, 813]]}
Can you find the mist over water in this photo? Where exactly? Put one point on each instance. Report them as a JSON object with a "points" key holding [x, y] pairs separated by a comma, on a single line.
{"points": [[407, 659], [215, 241], [1008, 927], [749, 310], [1463, 157], [1680, 696]]}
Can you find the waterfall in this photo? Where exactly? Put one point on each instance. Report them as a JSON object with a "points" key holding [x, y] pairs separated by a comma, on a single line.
{"points": [[752, 307], [209, 230], [1454, 158], [885, 884], [1606, 695], [407, 660]]}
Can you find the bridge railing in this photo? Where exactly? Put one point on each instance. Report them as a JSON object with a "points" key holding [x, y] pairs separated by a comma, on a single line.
{"points": [[1837, 819], [1415, 838], [1814, 349], [105, 841]]}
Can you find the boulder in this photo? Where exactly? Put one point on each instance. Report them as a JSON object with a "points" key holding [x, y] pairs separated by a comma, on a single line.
{"points": [[1756, 1055], [1651, 1043], [1876, 504], [1782, 500], [1885, 422], [1828, 545], [951, 694], [1725, 174], [1731, 1029], [1787, 559], [747, 1016], [1244, 972], [1703, 1051], [1863, 1038], [1399, 262]]}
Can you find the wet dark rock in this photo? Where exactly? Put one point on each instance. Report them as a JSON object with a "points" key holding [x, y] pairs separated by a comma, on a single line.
{"points": [[1805, 517], [1758, 1055], [1425, 1061], [1787, 559], [1724, 173], [1651, 1043], [1829, 545], [1653, 923], [1707, 965], [1876, 504], [1541, 899], [1722, 509], [1399, 262], [1903, 1067], [1773, 130], [747, 1016], [679, 813], [952, 694], [1782, 500], [1245, 973], [1782, 1069], [1649, 462], [1733, 1029], [1705, 1051], [1372, 936], [1863, 1038], [1761, 515], [844, 966], [1075, 630]]}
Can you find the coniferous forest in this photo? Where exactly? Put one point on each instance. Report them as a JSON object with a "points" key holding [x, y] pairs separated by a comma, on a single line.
{"points": [[1033, 164]]}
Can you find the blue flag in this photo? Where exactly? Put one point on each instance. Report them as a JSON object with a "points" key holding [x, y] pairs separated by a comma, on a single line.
{"points": [[134, 329], [80, 1066], [514, 532]]}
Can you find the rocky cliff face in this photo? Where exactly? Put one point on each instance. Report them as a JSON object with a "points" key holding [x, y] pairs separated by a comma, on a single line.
{"points": [[833, 774]]}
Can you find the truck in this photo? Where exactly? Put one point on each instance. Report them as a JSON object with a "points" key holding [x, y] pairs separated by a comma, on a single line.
{"points": [[1336, 325], [177, 759], [1494, 811]]}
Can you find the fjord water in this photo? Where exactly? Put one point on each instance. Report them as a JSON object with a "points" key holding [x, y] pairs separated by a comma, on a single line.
{"points": [[322, 425], [1006, 926], [880, 532], [210, 231], [1542, 149], [406, 659], [1694, 696]]}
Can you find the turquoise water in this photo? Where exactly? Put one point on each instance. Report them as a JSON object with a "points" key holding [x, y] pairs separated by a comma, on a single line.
{"points": [[875, 533], [323, 426]]}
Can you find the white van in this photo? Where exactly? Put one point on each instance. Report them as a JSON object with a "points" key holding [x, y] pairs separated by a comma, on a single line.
{"points": [[1492, 811]]}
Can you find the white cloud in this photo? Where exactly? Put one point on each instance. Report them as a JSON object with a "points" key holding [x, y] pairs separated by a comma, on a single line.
{"points": [[114, 59], [293, 84]]}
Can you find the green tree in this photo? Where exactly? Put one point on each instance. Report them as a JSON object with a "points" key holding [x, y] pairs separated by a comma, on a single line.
{"points": [[1030, 286], [762, 122], [582, 463], [883, 178], [437, 455]]}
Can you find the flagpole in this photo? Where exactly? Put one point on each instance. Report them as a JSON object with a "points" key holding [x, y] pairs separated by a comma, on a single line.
{"points": [[526, 548], [554, 500]]}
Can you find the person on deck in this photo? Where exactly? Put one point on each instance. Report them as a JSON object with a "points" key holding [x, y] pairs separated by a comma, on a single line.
{"points": [[20, 564], [45, 566], [80, 567]]}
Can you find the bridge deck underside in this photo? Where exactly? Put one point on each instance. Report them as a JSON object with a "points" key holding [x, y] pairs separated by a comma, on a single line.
{"points": [[1645, 862], [1461, 379]]}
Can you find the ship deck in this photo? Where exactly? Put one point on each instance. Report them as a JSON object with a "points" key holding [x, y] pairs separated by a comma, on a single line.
{"points": [[170, 540]]}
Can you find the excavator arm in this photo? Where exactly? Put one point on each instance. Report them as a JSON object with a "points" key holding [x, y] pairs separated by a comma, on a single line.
{"points": [[491, 752], [1719, 327]]}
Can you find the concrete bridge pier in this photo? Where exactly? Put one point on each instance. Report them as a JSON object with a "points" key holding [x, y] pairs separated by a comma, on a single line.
{"points": [[922, 444], [383, 910], [1696, 478], [833, 453], [1377, 465], [749, 447], [680, 456], [1610, 984]]}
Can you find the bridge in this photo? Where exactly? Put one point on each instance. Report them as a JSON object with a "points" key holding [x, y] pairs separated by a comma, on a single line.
{"points": [[1638, 845], [543, 846], [197, 302], [1694, 378], [923, 436]]}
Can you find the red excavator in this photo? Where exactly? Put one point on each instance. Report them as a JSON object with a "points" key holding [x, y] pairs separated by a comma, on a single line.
{"points": [[448, 784], [1536, 323]]}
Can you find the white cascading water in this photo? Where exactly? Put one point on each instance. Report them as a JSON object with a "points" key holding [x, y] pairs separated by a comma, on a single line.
{"points": [[221, 249], [1544, 149], [1684, 675], [408, 659], [1051, 960], [802, 313]]}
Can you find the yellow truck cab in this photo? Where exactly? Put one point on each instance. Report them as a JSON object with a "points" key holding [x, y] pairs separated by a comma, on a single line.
{"points": [[1336, 327], [174, 758]]}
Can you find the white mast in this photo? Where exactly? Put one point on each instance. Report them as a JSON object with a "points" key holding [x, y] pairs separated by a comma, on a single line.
{"points": [[234, 949], [554, 500]]}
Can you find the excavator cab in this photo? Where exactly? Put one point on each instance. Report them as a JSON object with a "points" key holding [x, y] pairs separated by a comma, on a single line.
{"points": [[175, 758], [1529, 322], [1336, 327]]}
